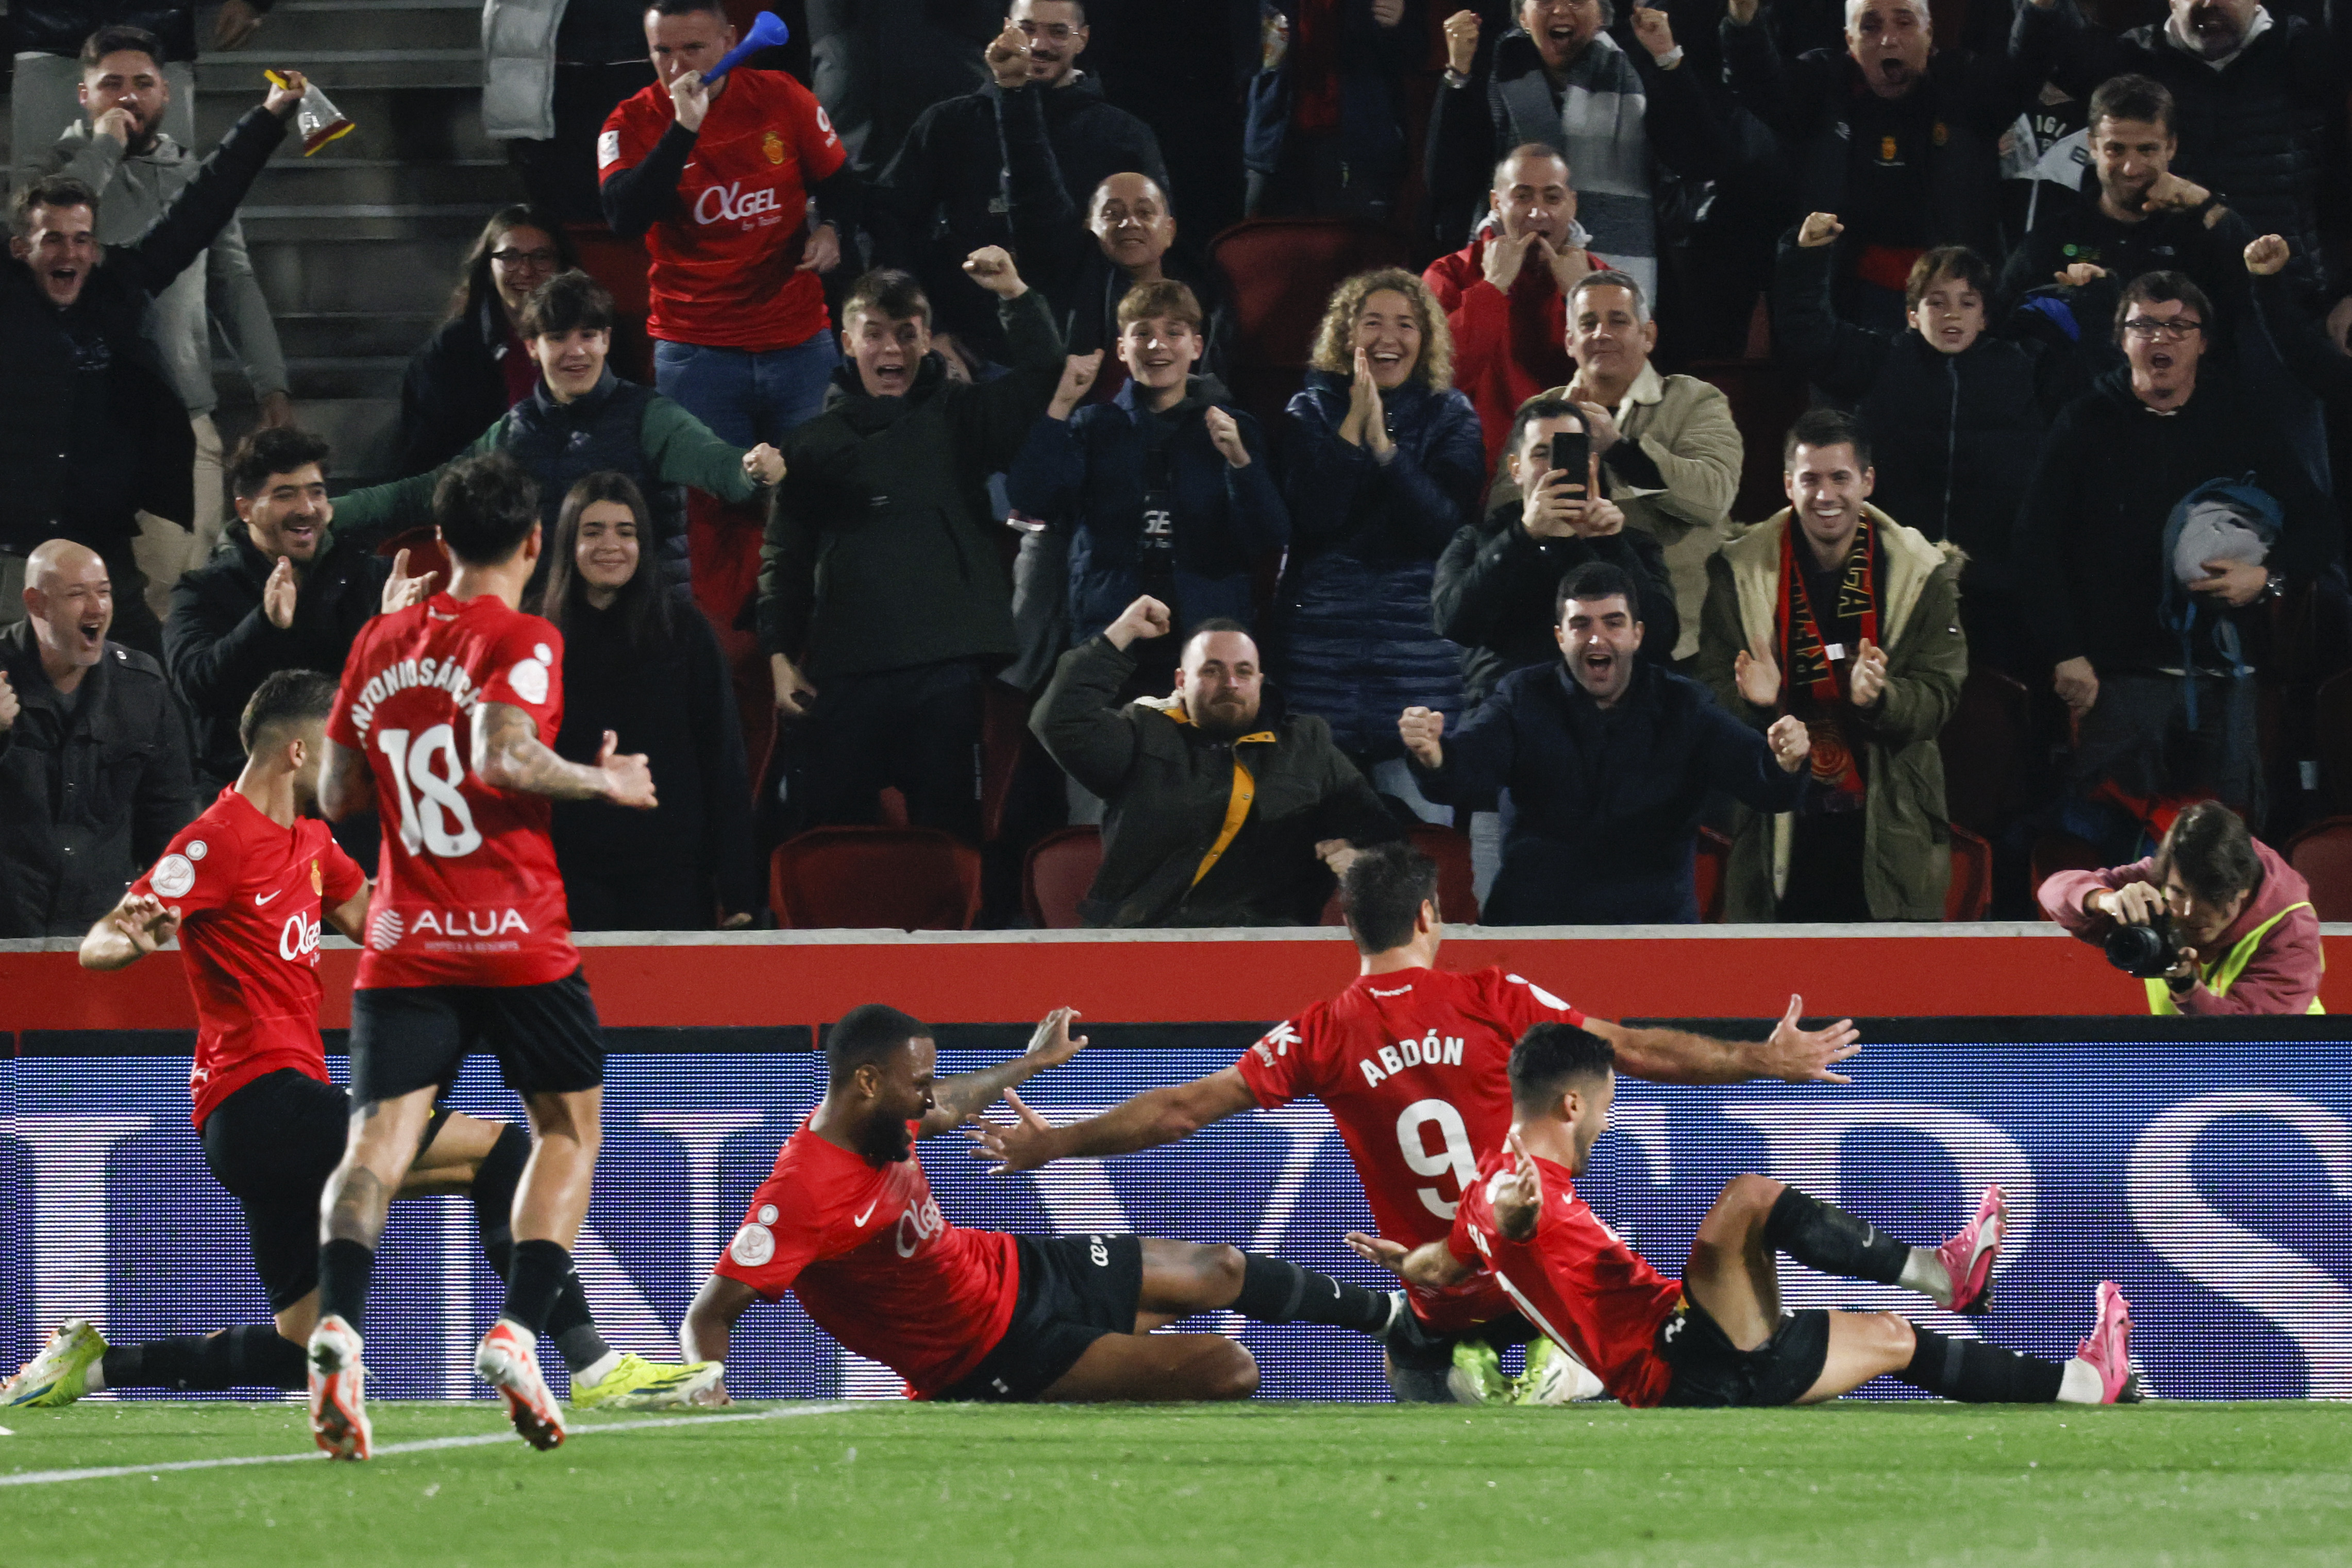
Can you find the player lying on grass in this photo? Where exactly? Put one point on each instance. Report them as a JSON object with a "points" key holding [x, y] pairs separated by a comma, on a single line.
{"points": [[247, 888], [1718, 1337], [1412, 1062], [848, 1223]]}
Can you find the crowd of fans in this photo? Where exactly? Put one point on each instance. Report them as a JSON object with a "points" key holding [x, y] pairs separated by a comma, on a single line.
{"points": [[942, 335]]}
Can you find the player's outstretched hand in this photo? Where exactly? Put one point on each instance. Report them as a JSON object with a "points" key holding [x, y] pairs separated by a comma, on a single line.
{"points": [[628, 779], [146, 922], [1797, 1055], [1021, 1145], [715, 1397], [1054, 1044], [1518, 1196], [1380, 1249], [402, 590]]}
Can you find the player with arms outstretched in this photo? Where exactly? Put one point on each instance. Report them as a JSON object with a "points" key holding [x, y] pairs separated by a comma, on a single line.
{"points": [[846, 1222], [1718, 1336], [441, 726], [1412, 1062]]}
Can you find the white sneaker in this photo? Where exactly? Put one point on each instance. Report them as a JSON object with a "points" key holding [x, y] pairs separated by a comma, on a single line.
{"points": [[508, 1361], [339, 1417]]}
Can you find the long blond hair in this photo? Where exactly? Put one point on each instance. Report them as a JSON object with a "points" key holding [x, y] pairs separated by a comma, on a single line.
{"points": [[1335, 353]]}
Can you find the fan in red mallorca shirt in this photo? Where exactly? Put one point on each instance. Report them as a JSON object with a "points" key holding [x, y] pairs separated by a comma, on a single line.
{"points": [[846, 1222], [717, 176], [248, 888], [441, 726], [1411, 1060], [1719, 1336]]}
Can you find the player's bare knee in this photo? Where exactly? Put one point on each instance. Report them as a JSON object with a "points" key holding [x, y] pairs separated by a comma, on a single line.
{"points": [[1232, 1372], [1739, 1212], [1221, 1272]]}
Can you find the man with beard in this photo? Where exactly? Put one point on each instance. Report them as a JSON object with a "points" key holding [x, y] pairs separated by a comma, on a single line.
{"points": [[1609, 761], [1895, 138], [1505, 292], [123, 153], [1837, 614], [846, 1222], [92, 430], [1222, 808]]}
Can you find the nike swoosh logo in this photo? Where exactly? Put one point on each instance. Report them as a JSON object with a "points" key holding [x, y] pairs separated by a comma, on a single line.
{"points": [[869, 1211], [258, 900]]}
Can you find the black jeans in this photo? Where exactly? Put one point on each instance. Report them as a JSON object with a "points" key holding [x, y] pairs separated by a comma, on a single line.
{"points": [[915, 729]]}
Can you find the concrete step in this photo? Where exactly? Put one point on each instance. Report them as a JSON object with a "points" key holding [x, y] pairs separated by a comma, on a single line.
{"points": [[296, 30], [412, 275], [348, 376], [456, 223], [333, 334], [336, 70], [422, 122], [329, 181], [361, 430]]}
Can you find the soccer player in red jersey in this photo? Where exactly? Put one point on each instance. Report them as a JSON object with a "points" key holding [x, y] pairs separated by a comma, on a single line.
{"points": [[846, 1222], [1412, 1062], [442, 725], [248, 887], [719, 176], [1718, 1336]]}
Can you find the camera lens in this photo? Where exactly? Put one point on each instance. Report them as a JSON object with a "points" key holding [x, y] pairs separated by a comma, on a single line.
{"points": [[2144, 952]]}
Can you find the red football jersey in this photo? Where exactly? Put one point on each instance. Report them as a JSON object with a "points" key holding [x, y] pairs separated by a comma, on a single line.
{"points": [[1414, 1067], [251, 897], [1596, 1297], [724, 268], [468, 893], [875, 1263]]}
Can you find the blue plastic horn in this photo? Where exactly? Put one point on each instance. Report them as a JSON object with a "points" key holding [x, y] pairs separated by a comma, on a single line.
{"points": [[768, 31]]}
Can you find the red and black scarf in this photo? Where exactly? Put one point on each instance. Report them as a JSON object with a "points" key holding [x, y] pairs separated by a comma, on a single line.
{"points": [[1824, 671]]}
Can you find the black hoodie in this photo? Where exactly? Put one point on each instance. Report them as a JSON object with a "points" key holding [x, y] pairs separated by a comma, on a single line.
{"points": [[2089, 553]]}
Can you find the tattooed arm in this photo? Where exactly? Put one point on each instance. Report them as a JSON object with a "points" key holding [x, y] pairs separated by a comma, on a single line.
{"points": [[508, 755], [955, 1101]]}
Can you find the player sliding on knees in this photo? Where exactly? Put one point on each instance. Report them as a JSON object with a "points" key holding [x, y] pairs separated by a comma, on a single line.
{"points": [[1412, 1062], [442, 727], [1718, 1337], [247, 888], [848, 1223]]}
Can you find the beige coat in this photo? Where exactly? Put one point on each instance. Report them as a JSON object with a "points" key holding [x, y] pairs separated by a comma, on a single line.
{"points": [[1907, 837], [1684, 425]]}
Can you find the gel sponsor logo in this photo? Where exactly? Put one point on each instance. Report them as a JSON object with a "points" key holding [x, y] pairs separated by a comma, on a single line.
{"points": [[730, 203], [919, 1223], [299, 938]]}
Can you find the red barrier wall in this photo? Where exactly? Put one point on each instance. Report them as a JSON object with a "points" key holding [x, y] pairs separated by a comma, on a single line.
{"points": [[811, 977]]}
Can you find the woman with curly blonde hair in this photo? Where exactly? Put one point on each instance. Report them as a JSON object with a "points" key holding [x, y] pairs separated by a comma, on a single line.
{"points": [[1385, 462]]}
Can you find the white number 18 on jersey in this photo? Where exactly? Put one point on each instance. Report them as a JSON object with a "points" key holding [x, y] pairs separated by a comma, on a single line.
{"points": [[433, 815]]}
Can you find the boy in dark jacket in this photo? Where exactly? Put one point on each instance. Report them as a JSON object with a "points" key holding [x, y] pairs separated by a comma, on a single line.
{"points": [[884, 598], [1164, 491], [1497, 582]]}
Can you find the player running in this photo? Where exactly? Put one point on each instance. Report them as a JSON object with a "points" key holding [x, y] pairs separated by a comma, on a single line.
{"points": [[438, 726], [247, 888], [1412, 1062], [1718, 1337], [848, 1223]]}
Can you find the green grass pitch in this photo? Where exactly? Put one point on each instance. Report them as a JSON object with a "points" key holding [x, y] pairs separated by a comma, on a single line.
{"points": [[1858, 1482]]}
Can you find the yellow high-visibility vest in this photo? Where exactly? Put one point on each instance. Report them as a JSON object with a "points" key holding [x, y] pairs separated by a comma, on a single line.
{"points": [[2220, 976]]}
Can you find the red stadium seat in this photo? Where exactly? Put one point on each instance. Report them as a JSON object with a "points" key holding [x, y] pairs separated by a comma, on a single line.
{"points": [[1278, 275], [422, 544], [1970, 894], [1060, 869], [2332, 730], [1712, 860], [910, 879], [2323, 853], [1765, 401]]}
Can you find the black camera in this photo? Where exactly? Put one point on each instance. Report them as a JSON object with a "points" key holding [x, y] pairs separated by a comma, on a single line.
{"points": [[2144, 952]]}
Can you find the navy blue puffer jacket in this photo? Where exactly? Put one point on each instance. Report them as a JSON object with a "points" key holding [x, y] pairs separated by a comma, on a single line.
{"points": [[1353, 633]]}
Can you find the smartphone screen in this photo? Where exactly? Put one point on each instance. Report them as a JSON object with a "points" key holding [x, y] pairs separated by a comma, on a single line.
{"points": [[1571, 452]]}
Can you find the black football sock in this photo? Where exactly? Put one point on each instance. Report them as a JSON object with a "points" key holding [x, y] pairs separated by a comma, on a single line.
{"points": [[540, 1270], [1979, 1374], [493, 1193], [573, 1328], [255, 1355], [1277, 1291], [344, 1269], [1829, 1238]]}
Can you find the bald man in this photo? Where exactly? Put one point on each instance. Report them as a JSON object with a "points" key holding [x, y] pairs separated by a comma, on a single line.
{"points": [[1125, 235], [95, 776]]}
